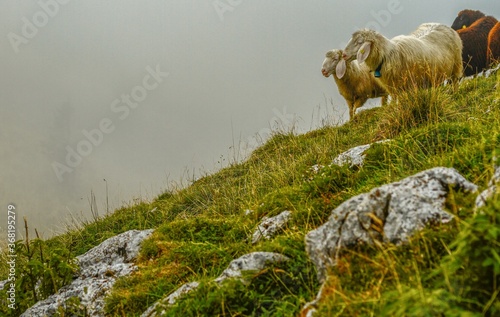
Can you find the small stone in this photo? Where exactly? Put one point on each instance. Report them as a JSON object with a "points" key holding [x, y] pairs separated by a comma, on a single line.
{"points": [[170, 299], [3, 283], [354, 156], [270, 226], [492, 189], [254, 261]]}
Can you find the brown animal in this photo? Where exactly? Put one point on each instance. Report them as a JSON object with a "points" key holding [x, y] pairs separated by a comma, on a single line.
{"points": [[474, 37], [465, 19], [493, 56]]}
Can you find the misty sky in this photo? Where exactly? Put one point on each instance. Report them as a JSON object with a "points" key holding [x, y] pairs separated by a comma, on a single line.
{"points": [[147, 93]]}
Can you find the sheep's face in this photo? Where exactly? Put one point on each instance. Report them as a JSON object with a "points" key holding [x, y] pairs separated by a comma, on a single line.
{"points": [[333, 63], [358, 47], [331, 60], [465, 18]]}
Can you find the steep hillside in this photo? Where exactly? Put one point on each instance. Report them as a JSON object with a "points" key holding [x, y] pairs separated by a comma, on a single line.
{"points": [[445, 269]]}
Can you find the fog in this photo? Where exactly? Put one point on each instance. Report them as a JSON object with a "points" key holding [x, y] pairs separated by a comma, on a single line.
{"points": [[127, 98]]}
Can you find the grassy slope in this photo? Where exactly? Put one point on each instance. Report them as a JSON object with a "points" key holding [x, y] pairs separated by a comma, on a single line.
{"points": [[200, 229]]}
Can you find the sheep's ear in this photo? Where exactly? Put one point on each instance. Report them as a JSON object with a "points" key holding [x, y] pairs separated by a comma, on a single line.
{"points": [[340, 69], [363, 52]]}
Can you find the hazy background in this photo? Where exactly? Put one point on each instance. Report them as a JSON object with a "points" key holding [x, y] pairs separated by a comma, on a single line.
{"points": [[235, 68]]}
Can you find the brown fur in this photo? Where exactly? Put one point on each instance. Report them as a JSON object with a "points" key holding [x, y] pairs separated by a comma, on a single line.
{"points": [[493, 55], [475, 44], [465, 19]]}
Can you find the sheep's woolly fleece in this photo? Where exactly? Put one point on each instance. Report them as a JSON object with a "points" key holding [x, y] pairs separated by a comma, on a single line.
{"points": [[404, 61]]}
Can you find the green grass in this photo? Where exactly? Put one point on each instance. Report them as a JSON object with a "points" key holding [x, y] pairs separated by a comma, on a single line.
{"points": [[446, 270]]}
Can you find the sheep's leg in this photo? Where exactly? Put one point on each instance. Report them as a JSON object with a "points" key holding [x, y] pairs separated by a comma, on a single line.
{"points": [[458, 72], [358, 103], [352, 109]]}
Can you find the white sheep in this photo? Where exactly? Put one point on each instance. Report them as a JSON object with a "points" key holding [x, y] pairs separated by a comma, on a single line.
{"points": [[354, 81], [426, 57]]}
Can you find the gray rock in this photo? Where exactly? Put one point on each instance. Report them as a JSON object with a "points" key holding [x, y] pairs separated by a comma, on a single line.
{"points": [[170, 299], [313, 171], [490, 191], [184, 289], [249, 262], [99, 269], [254, 261], [487, 73], [309, 309], [354, 156], [316, 168], [270, 226], [311, 312], [391, 213], [2, 284], [248, 212]]}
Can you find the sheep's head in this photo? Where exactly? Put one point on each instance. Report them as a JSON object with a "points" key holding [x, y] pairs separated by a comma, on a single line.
{"points": [[359, 45], [465, 18], [334, 63]]}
